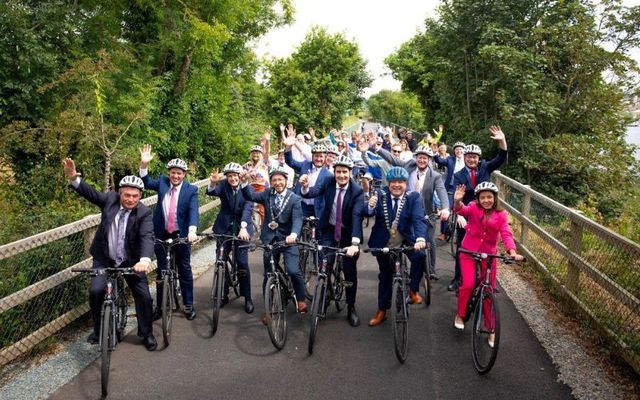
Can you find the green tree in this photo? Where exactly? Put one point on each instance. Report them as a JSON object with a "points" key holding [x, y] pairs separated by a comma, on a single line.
{"points": [[399, 107], [552, 74], [314, 87]]}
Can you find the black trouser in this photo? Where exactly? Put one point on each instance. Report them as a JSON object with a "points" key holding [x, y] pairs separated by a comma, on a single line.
{"points": [[139, 287], [348, 263], [461, 232]]}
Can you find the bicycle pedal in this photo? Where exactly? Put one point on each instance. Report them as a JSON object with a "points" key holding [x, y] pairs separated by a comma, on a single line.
{"points": [[347, 284]]}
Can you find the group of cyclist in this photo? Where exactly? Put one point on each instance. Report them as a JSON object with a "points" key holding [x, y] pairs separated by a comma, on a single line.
{"points": [[339, 182]]}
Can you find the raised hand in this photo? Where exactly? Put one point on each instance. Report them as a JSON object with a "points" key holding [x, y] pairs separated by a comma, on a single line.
{"points": [[496, 133], [312, 132], [215, 177], [363, 145], [373, 201], [69, 168], [459, 194], [145, 155], [304, 180], [289, 139], [373, 138], [267, 134], [282, 128]]}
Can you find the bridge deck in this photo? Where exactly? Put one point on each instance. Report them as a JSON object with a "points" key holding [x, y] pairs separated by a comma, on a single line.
{"points": [[355, 363]]}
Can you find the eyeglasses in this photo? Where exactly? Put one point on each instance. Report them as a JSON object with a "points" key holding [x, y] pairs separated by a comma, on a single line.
{"points": [[396, 151]]}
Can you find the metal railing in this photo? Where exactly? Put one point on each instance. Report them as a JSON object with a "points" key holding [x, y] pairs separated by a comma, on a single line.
{"points": [[595, 271], [39, 295]]}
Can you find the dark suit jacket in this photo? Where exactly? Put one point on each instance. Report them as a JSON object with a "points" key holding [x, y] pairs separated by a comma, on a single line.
{"points": [[483, 174], [352, 206], [289, 221], [187, 207], [450, 163], [139, 234], [411, 224], [304, 167], [231, 210]]}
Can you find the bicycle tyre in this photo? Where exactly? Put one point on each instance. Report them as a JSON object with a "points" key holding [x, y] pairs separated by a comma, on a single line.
{"points": [[168, 298], [121, 324], [484, 356], [276, 313], [307, 270], [453, 239], [337, 285], [316, 304], [231, 267], [106, 337], [217, 287], [427, 290], [400, 320]]}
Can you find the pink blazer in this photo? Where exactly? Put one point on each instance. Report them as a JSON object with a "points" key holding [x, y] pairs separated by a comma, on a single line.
{"points": [[482, 233]]}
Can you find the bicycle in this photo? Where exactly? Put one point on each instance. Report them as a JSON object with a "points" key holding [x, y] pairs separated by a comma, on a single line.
{"points": [[452, 234], [112, 323], [484, 354], [399, 298], [225, 273], [277, 293], [331, 279], [171, 293], [308, 264]]}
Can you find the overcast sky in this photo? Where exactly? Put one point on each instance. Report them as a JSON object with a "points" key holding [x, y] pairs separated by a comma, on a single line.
{"points": [[378, 26]]}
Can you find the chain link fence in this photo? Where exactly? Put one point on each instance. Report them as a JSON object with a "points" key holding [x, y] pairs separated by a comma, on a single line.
{"points": [[595, 270], [39, 295]]}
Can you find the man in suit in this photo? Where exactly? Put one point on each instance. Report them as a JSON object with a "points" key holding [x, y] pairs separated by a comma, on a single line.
{"points": [[234, 218], [340, 222], [282, 222], [176, 215], [123, 239], [399, 221], [475, 172], [452, 164], [316, 171]]}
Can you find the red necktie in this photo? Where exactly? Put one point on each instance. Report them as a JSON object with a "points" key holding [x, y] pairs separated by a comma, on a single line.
{"points": [[338, 228], [171, 223], [473, 178]]}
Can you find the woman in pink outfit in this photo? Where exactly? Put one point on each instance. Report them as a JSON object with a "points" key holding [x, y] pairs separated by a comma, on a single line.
{"points": [[486, 222]]}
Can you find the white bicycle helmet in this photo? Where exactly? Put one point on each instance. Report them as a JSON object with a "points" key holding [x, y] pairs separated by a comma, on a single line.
{"points": [[483, 186], [278, 170], [177, 163], [459, 144], [333, 149], [132, 181], [472, 149], [318, 148], [256, 147], [343, 161], [426, 150], [232, 167]]}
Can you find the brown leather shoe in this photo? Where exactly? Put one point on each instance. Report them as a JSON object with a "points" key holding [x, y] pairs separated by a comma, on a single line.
{"points": [[415, 297], [302, 307], [378, 318]]}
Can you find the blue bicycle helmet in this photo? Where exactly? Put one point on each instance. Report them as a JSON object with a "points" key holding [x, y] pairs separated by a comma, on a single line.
{"points": [[397, 174]]}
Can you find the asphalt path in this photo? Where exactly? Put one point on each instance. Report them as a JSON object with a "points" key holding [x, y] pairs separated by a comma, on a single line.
{"points": [[355, 363]]}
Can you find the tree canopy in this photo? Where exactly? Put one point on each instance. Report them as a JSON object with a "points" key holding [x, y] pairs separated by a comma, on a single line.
{"points": [[399, 107]]}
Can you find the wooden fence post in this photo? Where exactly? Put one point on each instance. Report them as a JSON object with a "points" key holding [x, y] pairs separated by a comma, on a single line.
{"points": [[575, 245], [526, 208]]}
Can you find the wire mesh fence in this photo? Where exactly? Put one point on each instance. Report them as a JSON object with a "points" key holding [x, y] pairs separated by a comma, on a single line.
{"points": [[595, 269], [39, 295]]}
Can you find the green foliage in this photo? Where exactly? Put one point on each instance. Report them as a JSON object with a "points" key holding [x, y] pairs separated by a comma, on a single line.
{"points": [[552, 74], [314, 87], [401, 108]]}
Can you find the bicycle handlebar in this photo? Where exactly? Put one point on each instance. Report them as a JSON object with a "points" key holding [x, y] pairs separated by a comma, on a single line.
{"points": [[172, 242], [482, 256], [387, 250], [319, 247], [266, 247], [105, 270]]}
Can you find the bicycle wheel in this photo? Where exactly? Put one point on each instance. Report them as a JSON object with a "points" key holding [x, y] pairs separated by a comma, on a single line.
{"points": [[453, 239], [232, 274], [316, 310], [276, 313], [167, 309], [106, 337], [308, 270], [426, 290], [400, 318], [217, 288], [485, 321], [121, 319], [337, 285]]}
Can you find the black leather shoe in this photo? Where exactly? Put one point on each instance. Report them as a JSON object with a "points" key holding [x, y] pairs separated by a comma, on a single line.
{"points": [[157, 314], [224, 302], [150, 342], [248, 305], [189, 312], [452, 286], [433, 276], [352, 316], [93, 338]]}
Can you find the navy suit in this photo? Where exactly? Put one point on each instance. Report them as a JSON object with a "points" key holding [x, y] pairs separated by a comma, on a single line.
{"points": [[450, 164], [234, 209], [138, 243], [352, 209], [304, 167], [289, 221], [186, 216], [411, 225]]}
